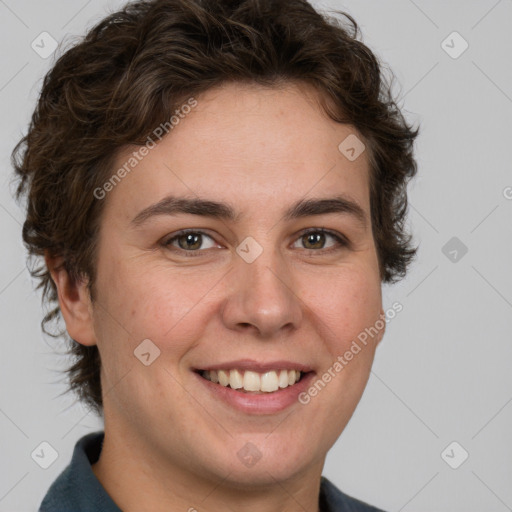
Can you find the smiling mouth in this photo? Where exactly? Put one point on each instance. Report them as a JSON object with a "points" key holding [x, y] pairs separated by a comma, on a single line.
{"points": [[253, 382]]}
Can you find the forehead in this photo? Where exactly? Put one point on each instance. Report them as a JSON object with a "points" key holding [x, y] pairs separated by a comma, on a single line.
{"points": [[248, 144]]}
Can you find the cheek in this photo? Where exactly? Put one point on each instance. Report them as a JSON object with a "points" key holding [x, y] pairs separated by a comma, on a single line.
{"points": [[347, 302], [153, 302]]}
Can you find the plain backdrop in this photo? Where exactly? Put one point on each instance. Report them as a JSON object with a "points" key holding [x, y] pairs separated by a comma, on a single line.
{"points": [[442, 373]]}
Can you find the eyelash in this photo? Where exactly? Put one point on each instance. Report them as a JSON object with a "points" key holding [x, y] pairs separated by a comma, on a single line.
{"points": [[341, 241]]}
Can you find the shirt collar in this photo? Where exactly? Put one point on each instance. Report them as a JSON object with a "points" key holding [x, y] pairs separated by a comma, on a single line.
{"points": [[77, 487]]}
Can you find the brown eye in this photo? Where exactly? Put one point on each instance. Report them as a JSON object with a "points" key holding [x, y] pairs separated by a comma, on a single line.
{"points": [[189, 241], [315, 240]]}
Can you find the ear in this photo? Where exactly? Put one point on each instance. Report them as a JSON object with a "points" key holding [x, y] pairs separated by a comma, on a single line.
{"points": [[383, 330], [74, 301]]}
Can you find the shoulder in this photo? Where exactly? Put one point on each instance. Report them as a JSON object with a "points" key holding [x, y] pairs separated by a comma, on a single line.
{"points": [[334, 500]]}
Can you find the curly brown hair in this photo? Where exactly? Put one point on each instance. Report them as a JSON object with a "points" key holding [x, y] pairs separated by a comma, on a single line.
{"points": [[135, 67]]}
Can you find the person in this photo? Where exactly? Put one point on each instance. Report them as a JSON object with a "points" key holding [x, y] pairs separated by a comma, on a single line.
{"points": [[216, 191]]}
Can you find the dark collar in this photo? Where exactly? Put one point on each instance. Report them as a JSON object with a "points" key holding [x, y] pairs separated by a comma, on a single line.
{"points": [[77, 487]]}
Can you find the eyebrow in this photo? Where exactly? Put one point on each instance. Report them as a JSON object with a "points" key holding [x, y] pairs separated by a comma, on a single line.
{"points": [[172, 205]]}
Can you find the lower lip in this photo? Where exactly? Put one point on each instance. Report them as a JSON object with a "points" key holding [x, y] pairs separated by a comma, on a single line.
{"points": [[259, 403]]}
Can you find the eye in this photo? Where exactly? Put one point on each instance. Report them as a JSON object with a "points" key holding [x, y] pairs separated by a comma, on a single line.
{"points": [[188, 240], [191, 241], [315, 238]]}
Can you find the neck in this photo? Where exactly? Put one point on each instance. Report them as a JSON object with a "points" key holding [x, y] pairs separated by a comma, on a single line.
{"points": [[137, 479]]}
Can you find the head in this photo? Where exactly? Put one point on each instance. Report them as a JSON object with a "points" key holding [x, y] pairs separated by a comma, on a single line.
{"points": [[228, 119]]}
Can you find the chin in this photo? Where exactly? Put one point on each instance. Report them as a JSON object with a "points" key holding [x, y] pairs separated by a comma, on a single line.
{"points": [[260, 476], [252, 469]]}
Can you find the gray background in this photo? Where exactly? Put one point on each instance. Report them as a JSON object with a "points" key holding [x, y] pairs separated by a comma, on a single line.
{"points": [[442, 373]]}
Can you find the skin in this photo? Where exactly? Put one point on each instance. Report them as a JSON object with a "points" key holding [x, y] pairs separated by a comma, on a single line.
{"points": [[168, 445]]}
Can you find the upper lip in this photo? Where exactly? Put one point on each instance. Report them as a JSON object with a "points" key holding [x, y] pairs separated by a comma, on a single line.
{"points": [[257, 366]]}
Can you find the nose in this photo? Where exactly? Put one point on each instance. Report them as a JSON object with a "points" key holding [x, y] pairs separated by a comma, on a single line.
{"points": [[262, 297]]}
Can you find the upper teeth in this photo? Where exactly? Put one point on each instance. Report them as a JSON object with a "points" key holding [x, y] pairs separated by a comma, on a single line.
{"points": [[253, 381]]}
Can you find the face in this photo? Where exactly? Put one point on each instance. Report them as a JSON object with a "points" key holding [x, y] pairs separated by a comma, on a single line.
{"points": [[259, 283]]}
